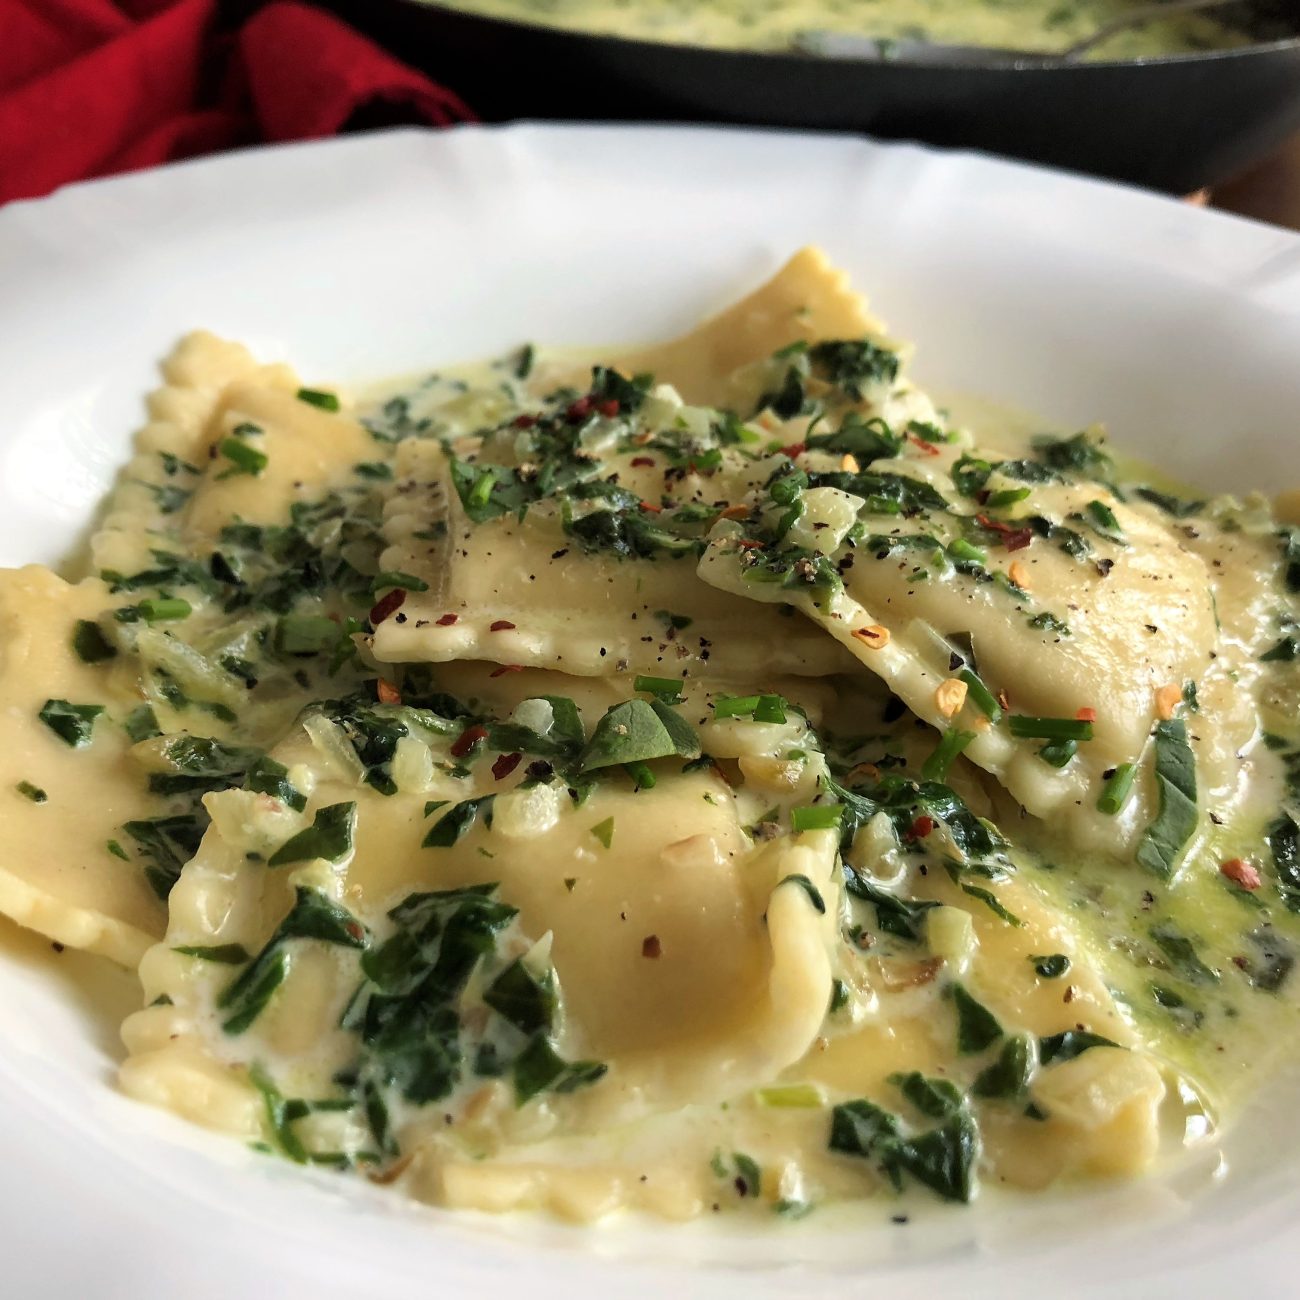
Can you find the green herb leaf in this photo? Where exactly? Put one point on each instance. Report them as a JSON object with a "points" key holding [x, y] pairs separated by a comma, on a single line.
{"points": [[526, 1000], [266, 776], [1051, 966], [1008, 1077], [456, 821], [72, 723], [638, 731], [141, 724], [668, 689], [977, 1027], [1181, 952], [934, 1098], [993, 903], [1070, 1043], [540, 1068], [90, 643], [604, 831], [229, 954], [814, 894], [860, 1128], [328, 837], [1283, 837], [277, 1115], [1166, 838], [313, 916]]}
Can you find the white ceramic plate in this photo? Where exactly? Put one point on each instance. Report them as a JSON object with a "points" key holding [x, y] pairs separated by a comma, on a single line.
{"points": [[357, 258]]}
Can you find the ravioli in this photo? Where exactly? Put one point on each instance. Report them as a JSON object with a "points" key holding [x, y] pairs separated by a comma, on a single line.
{"points": [[563, 787], [971, 617], [59, 873], [684, 960]]}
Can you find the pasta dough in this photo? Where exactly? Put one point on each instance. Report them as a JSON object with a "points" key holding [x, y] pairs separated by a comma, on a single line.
{"points": [[566, 787]]}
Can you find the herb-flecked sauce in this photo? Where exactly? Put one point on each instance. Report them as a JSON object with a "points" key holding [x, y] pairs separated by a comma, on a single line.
{"points": [[1040, 25]]}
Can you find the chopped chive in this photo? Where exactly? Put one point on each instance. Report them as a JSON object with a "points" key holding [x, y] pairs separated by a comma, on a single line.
{"points": [[407, 581], [667, 689], [1118, 787], [735, 706], [791, 1096], [642, 774], [1103, 519], [1031, 728], [816, 817], [32, 792], [243, 458], [762, 708], [1057, 753], [305, 634], [1007, 497], [604, 831], [963, 550], [318, 397], [951, 744], [90, 643], [980, 695], [164, 609]]}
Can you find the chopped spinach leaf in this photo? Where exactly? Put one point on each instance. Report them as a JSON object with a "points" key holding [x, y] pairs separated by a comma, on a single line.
{"points": [[1166, 838], [329, 837]]}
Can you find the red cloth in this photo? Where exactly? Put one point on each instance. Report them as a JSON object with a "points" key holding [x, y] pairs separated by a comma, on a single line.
{"points": [[92, 87]]}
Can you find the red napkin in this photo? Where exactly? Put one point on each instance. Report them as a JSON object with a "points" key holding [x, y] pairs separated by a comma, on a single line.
{"points": [[92, 87]]}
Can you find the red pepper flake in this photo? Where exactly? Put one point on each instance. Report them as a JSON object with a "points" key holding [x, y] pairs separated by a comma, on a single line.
{"points": [[355, 929], [502, 625], [506, 668], [638, 461], [467, 740], [748, 543], [579, 410], [653, 509], [387, 693], [608, 408], [1014, 539], [1241, 873], [447, 620], [1086, 715], [927, 447], [921, 827], [1004, 699], [794, 449], [651, 947], [505, 765], [524, 421], [387, 604]]}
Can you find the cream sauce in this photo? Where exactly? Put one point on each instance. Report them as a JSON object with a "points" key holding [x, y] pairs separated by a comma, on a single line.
{"points": [[1041, 25]]}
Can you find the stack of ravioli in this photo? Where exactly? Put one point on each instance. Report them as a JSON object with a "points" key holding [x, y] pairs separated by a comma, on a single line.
{"points": [[693, 778]]}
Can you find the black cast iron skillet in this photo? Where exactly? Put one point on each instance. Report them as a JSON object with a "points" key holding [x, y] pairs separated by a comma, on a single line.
{"points": [[1175, 123]]}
